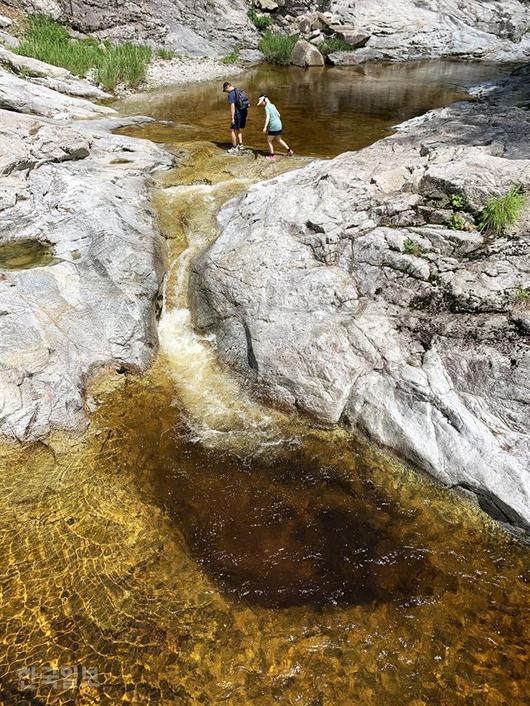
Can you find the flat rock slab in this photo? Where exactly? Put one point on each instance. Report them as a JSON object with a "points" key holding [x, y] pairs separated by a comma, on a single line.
{"points": [[21, 96], [85, 193]]}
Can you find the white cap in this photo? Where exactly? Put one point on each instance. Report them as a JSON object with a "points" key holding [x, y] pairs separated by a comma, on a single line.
{"points": [[262, 99]]}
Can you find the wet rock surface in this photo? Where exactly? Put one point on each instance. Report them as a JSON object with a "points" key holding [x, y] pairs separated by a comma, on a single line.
{"points": [[339, 291], [83, 192]]}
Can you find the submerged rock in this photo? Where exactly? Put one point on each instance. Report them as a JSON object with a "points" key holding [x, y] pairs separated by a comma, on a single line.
{"points": [[332, 294]]}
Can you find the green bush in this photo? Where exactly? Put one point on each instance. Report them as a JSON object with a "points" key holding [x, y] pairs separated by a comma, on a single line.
{"points": [[412, 248], [328, 46], [260, 22], [113, 64], [456, 222], [456, 201], [277, 48], [502, 212]]}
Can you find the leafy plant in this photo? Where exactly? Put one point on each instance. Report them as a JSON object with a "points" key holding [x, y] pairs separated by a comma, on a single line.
{"points": [[456, 222], [502, 212], [412, 248], [260, 22], [166, 54], [522, 294], [456, 201], [328, 46], [49, 41], [277, 48], [232, 57]]}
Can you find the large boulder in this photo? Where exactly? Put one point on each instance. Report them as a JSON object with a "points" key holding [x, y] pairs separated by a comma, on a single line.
{"points": [[82, 194], [306, 54], [333, 292], [7, 40]]}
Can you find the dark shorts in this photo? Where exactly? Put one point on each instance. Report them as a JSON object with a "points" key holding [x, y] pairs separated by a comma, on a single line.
{"points": [[275, 133], [240, 120]]}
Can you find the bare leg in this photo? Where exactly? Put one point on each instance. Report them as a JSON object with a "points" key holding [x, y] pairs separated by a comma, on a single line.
{"points": [[234, 138], [270, 142], [284, 144], [240, 137]]}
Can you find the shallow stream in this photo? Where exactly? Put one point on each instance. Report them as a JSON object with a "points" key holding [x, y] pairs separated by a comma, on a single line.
{"points": [[195, 548]]}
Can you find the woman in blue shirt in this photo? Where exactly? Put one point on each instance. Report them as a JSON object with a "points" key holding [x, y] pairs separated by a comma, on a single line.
{"points": [[273, 127]]}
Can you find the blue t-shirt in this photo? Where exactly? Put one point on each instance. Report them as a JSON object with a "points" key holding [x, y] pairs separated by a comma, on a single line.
{"points": [[275, 122], [232, 98]]}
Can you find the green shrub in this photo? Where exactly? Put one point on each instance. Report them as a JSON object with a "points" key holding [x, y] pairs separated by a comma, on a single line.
{"points": [[328, 46], [166, 54], [502, 212], [456, 222], [456, 201], [260, 22], [277, 48], [113, 64], [232, 57]]}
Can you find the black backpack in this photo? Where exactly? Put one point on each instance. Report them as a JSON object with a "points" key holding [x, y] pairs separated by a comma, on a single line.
{"points": [[242, 100]]}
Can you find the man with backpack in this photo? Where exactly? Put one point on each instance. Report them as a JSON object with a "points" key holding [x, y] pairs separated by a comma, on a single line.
{"points": [[239, 103]]}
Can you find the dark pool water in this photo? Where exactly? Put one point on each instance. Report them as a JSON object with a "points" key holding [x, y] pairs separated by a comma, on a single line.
{"points": [[289, 531], [324, 111]]}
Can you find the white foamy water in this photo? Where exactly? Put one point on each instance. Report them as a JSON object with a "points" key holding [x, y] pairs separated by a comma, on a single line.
{"points": [[218, 409]]}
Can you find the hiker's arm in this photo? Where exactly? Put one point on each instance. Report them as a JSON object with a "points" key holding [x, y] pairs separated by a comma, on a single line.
{"points": [[233, 111], [266, 123]]}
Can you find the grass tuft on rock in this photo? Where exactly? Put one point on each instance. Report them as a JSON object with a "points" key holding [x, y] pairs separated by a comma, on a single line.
{"points": [[522, 294], [260, 22], [49, 41], [231, 58], [333, 44], [502, 212], [166, 54], [277, 48]]}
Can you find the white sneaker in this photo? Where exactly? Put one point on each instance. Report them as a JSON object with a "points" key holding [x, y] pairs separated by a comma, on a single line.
{"points": [[233, 150]]}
